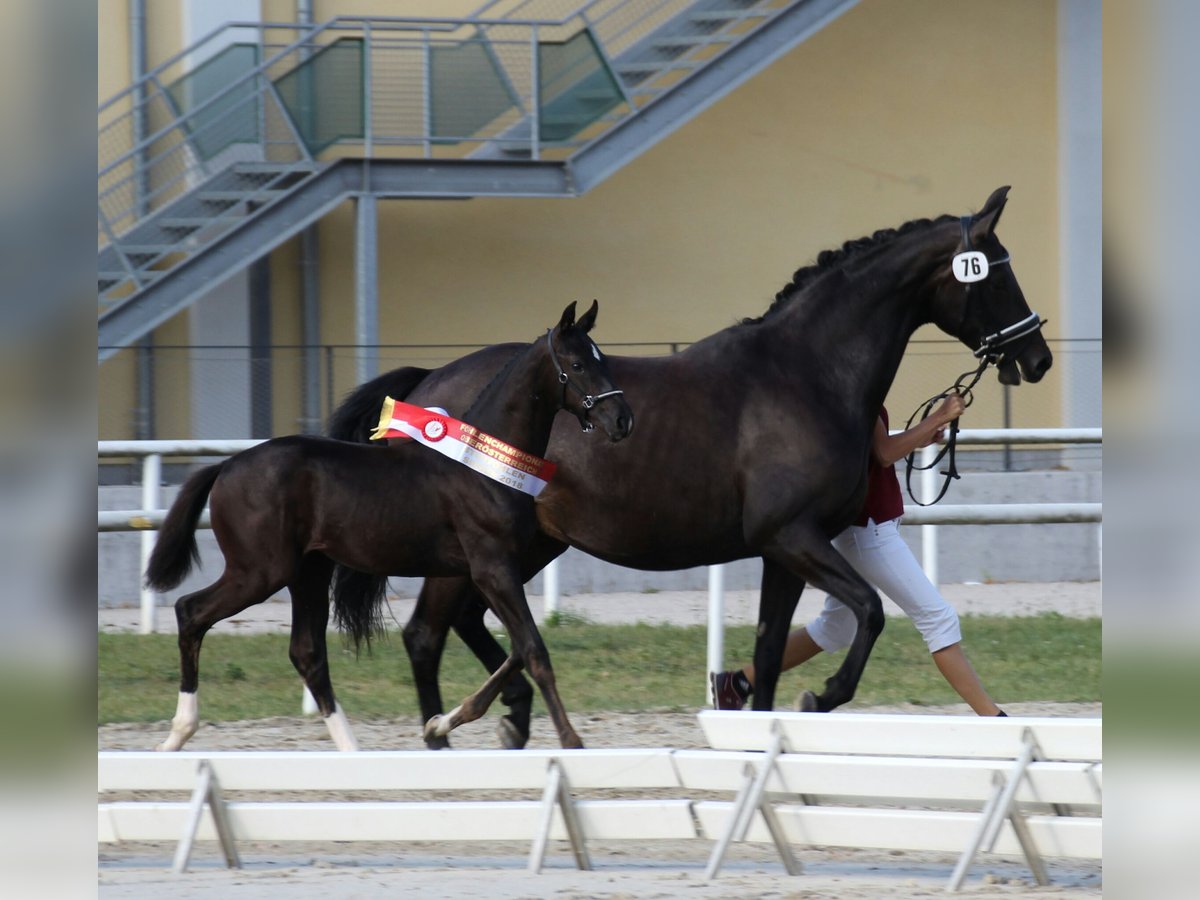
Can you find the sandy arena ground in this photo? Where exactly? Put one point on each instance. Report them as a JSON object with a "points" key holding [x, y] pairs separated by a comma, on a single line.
{"points": [[497, 870]]}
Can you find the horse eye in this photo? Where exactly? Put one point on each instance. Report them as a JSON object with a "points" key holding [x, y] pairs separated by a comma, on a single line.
{"points": [[576, 367]]}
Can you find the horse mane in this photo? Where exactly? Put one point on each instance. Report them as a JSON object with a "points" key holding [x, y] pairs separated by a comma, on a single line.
{"points": [[828, 260], [499, 376]]}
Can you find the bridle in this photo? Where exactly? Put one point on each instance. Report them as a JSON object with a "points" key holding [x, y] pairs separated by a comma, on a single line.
{"points": [[587, 400], [992, 350], [990, 345]]}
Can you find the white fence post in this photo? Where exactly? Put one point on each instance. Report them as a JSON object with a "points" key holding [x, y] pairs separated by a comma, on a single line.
{"points": [[716, 626], [550, 587], [151, 499]]}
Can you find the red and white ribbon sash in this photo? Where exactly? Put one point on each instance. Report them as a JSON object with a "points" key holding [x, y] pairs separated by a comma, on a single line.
{"points": [[465, 444]]}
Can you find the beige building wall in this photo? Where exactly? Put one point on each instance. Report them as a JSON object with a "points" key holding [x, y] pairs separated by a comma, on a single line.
{"points": [[894, 111]]}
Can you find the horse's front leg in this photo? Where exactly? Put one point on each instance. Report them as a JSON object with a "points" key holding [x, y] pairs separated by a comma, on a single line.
{"points": [[806, 552], [780, 592], [516, 693], [499, 580]]}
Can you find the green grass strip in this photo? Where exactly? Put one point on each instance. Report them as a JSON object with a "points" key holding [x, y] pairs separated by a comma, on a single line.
{"points": [[598, 667]]}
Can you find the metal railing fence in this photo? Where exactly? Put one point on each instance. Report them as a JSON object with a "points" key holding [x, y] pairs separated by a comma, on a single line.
{"points": [[150, 517]]}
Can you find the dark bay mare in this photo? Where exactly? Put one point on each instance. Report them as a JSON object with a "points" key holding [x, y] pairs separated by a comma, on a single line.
{"points": [[751, 442], [284, 512]]}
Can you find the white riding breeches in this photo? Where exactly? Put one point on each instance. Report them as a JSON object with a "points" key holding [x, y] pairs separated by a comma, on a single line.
{"points": [[879, 554]]}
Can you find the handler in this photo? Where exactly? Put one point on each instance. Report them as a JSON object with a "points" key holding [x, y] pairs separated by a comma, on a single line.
{"points": [[873, 546]]}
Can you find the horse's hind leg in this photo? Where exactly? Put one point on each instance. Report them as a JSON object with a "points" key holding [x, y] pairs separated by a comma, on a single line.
{"points": [[195, 614], [425, 639], [308, 651]]}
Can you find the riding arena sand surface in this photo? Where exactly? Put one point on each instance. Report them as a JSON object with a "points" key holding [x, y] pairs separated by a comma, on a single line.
{"points": [[657, 869]]}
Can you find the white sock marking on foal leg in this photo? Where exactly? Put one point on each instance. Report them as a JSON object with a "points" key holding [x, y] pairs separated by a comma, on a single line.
{"points": [[448, 722], [339, 729], [185, 723]]}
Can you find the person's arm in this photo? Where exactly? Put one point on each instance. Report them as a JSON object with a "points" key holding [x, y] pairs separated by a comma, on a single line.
{"points": [[888, 448]]}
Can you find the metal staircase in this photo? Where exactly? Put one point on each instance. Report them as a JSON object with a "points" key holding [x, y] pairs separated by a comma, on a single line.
{"points": [[205, 168]]}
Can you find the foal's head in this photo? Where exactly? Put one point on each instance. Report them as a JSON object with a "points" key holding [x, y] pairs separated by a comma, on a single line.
{"points": [[981, 303], [582, 371]]}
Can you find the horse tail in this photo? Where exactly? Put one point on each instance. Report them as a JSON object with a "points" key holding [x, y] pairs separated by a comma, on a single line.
{"points": [[175, 551], [358, 414], [358, 604], [358, 608]]}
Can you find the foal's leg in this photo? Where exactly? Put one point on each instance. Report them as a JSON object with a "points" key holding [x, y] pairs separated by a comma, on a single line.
{"points": [[780, 592], [806, 552], [516, 693], [310, 618], [474, 706], [236, 590], [501, 584]]}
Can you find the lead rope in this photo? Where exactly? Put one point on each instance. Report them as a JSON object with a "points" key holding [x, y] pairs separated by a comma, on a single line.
{"points": [[950, 448]]}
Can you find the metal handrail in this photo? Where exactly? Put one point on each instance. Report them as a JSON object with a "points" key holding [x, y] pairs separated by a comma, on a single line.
{"points": [[446, 23]]}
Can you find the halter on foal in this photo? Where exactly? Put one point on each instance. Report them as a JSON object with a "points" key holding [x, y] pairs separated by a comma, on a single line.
{"points": [[286, 510]]}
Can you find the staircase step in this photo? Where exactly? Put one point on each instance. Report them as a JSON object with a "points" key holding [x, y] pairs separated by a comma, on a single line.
{"points": [[108, 280], [708, 16], [269, 168], [687, 41], [189, 224], [231, 197]]}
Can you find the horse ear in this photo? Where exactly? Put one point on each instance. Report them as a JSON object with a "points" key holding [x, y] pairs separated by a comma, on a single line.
{"points": [[588, 319], [568, 317], [983, 223]]}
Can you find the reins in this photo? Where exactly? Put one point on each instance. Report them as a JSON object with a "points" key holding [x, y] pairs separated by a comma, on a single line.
{"points": [[588, 400], [989, 353], [950, 448]]}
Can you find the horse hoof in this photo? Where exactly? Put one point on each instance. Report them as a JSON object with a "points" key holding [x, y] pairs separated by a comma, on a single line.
{"points": [[807, 702], [434, 730], [510, 735], [437, 743]]}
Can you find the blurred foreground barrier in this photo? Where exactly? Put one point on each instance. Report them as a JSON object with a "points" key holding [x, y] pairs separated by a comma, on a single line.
{"points": [[958, 784], [962, 784]]}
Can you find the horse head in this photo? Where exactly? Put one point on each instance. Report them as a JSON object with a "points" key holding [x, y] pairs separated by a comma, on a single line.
{"points": [[980, 302], [588, 391]]}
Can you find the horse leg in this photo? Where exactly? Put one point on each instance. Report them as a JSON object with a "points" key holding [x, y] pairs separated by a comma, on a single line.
{"points": [[195, 614], [310, 618], [475, 705], [780, 592], [809, 554], [425, 639], [502, 585], [516, 693]]}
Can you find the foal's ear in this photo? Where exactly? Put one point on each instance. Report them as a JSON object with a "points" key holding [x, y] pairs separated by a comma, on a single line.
{"points": [[983, 223], [568, 317], [588, 319]]}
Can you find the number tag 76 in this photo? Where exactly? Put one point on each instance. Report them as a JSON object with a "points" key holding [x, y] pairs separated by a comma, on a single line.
{"points": [[970, 267]]}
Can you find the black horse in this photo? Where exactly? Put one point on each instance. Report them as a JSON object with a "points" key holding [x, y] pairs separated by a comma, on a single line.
{"points": [[286, 510], [751, 442]]}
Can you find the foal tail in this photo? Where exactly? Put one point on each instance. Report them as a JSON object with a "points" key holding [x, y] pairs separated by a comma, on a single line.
{"points": [[175, 552], [358, 609]]}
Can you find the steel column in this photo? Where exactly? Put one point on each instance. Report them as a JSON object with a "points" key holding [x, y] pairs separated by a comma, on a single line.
{"points": [[366, 287]]}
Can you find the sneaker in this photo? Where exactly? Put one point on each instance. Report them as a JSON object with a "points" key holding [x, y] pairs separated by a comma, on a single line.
{"points": [[725, 693]]}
